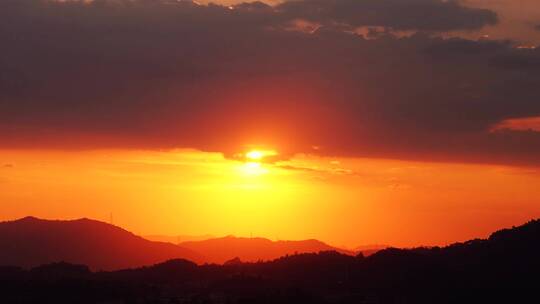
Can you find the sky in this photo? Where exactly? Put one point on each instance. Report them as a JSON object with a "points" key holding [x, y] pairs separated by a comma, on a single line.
{"points": [[402, 122]]}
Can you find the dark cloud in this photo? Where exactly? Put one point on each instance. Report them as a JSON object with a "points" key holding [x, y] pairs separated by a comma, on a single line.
{"points": [[159, 74], [427, 15], [8, 166]]}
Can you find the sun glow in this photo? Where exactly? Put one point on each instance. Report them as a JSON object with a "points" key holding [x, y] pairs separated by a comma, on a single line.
{"points": [[254, 160], [194, 192], [254, 169], [255, 155], [259, 155]]}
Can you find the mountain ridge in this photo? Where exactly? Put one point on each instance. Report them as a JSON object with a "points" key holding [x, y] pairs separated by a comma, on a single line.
{"points": [[221, 250], [502, 268], [31, 241]]}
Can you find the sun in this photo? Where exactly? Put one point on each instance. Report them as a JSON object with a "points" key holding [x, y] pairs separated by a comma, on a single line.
{"points": [[258, 155], [255, 162], [255, 155]]}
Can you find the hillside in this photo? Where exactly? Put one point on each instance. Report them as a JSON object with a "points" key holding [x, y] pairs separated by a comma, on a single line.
{"points": [[221, 250], [30, 242]]}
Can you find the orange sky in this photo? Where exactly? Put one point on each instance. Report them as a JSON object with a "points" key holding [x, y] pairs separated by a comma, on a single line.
{"points": [[335, 88], [346, 202]]}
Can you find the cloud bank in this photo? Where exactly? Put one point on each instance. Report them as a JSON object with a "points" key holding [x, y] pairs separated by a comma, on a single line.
{"points": [[164, 74]]}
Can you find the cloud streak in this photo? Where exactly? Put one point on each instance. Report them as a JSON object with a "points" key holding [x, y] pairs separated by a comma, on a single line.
{"points": [[426, 15]]}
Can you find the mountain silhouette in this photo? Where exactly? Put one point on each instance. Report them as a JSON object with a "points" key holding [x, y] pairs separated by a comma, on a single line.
{"points": [[368, 250], [221, 250], [501, 269], [30, 242]]}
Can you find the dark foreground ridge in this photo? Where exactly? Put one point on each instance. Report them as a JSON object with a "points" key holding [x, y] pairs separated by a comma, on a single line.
{"points": [[502, 269]]}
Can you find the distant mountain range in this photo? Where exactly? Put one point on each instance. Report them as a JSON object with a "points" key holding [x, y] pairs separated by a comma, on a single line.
{"points": [[501, 269], [221, 250], [30, 242]]}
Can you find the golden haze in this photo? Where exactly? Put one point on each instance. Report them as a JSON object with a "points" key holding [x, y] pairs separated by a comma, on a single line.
{"points": [[343, 201]]}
